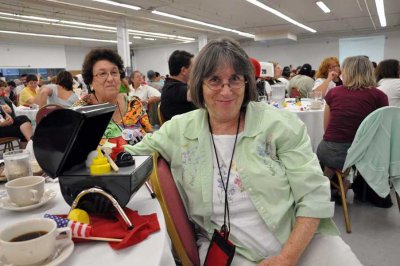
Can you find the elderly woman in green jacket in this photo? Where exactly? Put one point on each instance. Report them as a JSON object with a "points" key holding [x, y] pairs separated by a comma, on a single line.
{"points": [[253, 158]]}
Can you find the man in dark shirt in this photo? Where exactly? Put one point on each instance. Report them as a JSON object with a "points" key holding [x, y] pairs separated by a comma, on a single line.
{"points": [[175, 97]]}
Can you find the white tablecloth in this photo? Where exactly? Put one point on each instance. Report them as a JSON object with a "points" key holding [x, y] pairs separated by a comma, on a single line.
{"points": [[30, 113], [313, 119], [155, 250]]}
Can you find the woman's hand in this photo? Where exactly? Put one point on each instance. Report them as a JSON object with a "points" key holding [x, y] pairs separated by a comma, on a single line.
{"points": [[278, 260], [332, 75], [7, 122]]}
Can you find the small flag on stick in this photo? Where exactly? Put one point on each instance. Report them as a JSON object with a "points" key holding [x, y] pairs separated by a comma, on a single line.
{"points": [[78, 229]]}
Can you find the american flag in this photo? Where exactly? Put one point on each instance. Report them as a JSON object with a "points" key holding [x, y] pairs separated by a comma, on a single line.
{"points": [[77, 228]]}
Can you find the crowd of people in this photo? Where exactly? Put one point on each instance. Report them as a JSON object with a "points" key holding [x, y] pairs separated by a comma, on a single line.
{"points": [[225, 148]]}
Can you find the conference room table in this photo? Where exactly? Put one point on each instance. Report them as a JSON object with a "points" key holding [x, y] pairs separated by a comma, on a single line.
{"points": [[313, 119], [154, 250]]}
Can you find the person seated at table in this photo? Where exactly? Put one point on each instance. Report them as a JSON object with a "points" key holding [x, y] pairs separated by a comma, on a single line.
{"points": [[10, 124], [328, 75], [103, 69], [387, 75], [136, 117], [346, 107], [256, 157], [60, 93], [28, 94], [301, 84], [10, 92]]}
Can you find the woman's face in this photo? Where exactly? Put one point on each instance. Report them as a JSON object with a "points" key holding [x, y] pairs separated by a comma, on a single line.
{"points": [[137, 78], [32, 84], [333, 66], [106, 80], [224, 93], [278, 71]]}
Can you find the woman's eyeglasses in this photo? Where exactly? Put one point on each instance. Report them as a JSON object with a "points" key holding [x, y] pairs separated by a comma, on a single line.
{"points": [[216, 85], [104, 75]]}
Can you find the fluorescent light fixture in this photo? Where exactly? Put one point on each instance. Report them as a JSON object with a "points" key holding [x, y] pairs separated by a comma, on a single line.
{"points": [[137, 37], [117, 4], [323, 7], [245, 34], [149, 39], [56, 36], [89, 26], [280, 14], [380, 8]]}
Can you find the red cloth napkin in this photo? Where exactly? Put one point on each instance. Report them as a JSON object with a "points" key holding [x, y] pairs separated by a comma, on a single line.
{"points": [[114, 226]]}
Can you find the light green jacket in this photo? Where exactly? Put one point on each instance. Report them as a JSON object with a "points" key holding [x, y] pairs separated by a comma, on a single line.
{"points": [[375, 150], [275, 163]]}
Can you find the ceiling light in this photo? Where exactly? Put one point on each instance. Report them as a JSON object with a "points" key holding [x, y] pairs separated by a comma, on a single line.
{"points": [[89, 26], [281, 15], [245, 34], [323, 6], [381, 12], [149, 39], [56, 36], [117, 4], [137, 37]]}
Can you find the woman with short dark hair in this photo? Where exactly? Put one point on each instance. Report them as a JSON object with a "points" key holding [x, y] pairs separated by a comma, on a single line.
{"points": [[103, 70], [388, 77]]}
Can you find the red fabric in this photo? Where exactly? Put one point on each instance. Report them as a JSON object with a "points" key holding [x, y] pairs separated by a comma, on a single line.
{"points": [[348, 108], [114, 226], [177, 211]]}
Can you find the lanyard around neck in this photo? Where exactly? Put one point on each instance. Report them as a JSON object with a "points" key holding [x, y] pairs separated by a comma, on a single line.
{"points": [[225, 228]]}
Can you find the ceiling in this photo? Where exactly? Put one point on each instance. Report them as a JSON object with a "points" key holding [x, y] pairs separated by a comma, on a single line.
{"points": [[346, 17]]}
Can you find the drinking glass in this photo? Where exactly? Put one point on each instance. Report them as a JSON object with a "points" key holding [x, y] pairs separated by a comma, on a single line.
{"points": [[17, 164], [278, 94]]}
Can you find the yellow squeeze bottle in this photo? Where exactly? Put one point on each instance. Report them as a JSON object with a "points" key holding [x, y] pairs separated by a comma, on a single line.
{"points": [[99, 164]]}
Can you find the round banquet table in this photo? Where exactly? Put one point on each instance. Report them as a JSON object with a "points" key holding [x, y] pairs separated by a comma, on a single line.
{"points": [[154, 250], [313, 119]]}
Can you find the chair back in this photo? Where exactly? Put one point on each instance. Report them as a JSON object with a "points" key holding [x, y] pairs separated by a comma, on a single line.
{"points": [[45, 110], [179, 227], [8, 143], [160, 115]]}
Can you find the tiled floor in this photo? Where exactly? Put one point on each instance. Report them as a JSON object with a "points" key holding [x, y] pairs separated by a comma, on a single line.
{"points": [[375, 237]]}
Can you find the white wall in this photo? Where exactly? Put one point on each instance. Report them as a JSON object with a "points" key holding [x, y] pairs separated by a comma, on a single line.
{"points": [[157, 58], [74, 56], [314, 50], [28, 55]]}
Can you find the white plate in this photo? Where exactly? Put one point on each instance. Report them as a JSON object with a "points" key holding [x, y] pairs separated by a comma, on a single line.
{"points": [[60, 258], [6, 204]]}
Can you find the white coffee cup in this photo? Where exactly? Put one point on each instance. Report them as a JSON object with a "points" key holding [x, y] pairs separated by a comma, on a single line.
{"points": [[35, 250], [25, 191]]}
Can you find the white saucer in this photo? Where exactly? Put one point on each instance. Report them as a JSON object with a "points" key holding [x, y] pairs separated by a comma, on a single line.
{"points": [[6, 204], [61, 257]]}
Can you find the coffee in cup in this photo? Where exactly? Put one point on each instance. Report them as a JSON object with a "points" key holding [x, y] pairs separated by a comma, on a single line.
{"points": [[32, 241], [25, 191]]}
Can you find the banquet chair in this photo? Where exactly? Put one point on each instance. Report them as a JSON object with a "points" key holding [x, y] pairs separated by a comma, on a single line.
{"points": [[45, 110], [179, 227], [375, 151], [8, 143], [160, 115], [339, 185]]}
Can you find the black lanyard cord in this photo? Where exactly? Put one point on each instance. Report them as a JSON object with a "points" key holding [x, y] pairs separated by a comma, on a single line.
{"points": [[225, 229]]}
